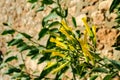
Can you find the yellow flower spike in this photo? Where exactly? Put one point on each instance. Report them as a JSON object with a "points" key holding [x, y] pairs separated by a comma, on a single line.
{"points": [[71, 48], [58, 43], [52, 40], [85, 48], [94, 32], [84, 19], [61, 45], [50, 64], [85, 36], [59, 39], [66, 26], [60, 67], [57, 54], [65, 33]]}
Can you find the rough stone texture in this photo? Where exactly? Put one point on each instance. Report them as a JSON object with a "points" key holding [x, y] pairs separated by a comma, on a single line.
{"points": [[24, 19]]}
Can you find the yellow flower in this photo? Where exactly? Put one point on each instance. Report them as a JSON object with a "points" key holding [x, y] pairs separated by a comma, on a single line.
{"points": [[66, 26], [94, 32], [71, 48], [87, 27], [57, 54], [50, 64], [85, 47], [52, 39], [62, 29], [58, 43], [60, 67]]}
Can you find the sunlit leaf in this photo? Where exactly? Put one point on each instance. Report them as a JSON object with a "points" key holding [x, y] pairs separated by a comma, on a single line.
{"points": [[26, 35], [42, 33], [93, 77], [32, 1], [54, 24], [23, 47], [14, 42], [1, 57], [41, 8], [62, 71], [5, 24], [34, 52], [47, 71], [60, 67], [11, 58], [53, 30], [74, 21], [114, 4], [116, 64], [109, 76], [45, 57], [99, 69], [12, 69], [8, 32], [47, 2]]}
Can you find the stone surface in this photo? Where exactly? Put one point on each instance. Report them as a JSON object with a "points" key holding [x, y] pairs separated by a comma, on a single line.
{"points": [[24, 19]]}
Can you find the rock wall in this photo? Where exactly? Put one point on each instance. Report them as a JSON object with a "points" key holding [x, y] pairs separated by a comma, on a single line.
{"points": [[20, 15]]}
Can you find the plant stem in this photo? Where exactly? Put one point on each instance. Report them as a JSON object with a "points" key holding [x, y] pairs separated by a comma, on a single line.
{"points": [[74, 78]]}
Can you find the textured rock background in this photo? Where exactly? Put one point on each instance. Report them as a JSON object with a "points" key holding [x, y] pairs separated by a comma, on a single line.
{"points": [[24, 19]]}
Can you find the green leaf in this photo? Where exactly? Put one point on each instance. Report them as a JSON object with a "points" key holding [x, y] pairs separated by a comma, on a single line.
{"points": [[93, 77], [45, 57], [8, 32], [41, 8], [61, 72], [49, 44], [65, 13], [34, 52], [51, 16], [109, 76], [26, 35], [47, 2], [42, 33], [23, 47], [32, 1], [78, 33], [114, 4], [12, 69], [1, 57], [74, 21], [53, 30], [5, 24], [99, 69], [115, 63], [54, 24], [47, 71], [14, 42], [33, 6], [11, 58]]}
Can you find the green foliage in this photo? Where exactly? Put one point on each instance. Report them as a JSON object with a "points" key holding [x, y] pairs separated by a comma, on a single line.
{"points": [[66, 49], [93, 77], [114, 4], [8, 32], [11, 58], [42, 33], [74, 21]]}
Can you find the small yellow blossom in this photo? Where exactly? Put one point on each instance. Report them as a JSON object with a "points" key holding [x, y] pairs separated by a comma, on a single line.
{"points": [[66, 26], [87, 26], [71, 48], [50, 64], [94, 32], [58, 43], [62, 29], [60, 67], [57, 54]]}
